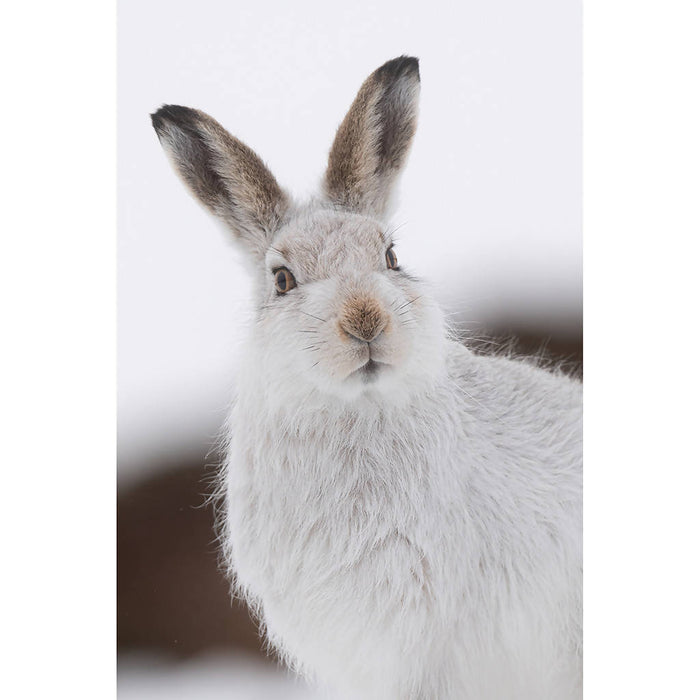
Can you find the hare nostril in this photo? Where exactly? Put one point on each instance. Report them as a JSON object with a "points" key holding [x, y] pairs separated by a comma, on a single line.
{"points": [[363, 336]]}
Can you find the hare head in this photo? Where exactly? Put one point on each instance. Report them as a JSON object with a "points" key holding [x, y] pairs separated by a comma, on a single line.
{"points": [[336, 312]]}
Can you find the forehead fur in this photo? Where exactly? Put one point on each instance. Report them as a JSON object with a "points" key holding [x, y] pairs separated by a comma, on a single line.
{"points": [[317, 243]]}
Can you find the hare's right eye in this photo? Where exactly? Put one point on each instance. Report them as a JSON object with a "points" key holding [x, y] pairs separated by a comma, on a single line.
{"points": [[284, 280]]}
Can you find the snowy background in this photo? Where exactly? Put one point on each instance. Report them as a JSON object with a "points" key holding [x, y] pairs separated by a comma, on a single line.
{"points": [[490, 209]]}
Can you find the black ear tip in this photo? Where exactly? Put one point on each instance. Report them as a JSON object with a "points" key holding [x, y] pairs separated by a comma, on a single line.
{"points": [[157, 120], [173, 114], [400, 67]]}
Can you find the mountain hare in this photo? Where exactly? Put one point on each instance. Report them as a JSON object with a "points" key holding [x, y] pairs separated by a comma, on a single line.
{"points": [[404, 515]]}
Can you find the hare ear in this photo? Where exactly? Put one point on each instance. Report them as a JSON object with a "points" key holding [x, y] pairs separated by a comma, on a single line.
{"points": [[223, 173], [373, 141]]}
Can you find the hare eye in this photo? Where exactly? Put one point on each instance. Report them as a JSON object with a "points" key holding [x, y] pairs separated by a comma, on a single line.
{"points": [[284, 280], [392, 262]]}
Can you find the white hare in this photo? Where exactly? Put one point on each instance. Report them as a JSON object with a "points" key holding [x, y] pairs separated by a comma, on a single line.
{"points": [[404, 515]]}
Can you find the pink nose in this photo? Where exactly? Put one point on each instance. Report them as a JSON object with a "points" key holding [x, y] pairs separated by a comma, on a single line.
{"points": [[363, 319]]}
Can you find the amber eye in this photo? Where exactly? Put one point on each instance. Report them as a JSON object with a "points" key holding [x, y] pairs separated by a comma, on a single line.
{"points": [[392, 262], [284, 280]]}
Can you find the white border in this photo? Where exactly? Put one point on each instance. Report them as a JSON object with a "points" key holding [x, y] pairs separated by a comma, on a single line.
{"points": [[641, 190], [58, 388]]}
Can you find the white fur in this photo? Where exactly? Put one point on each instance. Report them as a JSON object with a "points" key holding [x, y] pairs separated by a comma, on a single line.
{"points": [[408, 534]]}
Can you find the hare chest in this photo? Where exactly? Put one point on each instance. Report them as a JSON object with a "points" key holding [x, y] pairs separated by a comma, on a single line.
{"points": [[334, 544]]}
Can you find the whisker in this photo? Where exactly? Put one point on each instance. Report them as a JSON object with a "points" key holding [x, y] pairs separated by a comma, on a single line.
{"points": [[390, 234], [322, 320], [408, 303]]}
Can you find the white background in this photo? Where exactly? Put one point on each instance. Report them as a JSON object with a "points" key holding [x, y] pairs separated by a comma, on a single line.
{"points": [[490, 204], [57, 296]]}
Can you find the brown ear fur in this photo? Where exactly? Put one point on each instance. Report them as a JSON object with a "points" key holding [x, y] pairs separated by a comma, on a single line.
{"points": [[223, 173], [373, 140]]}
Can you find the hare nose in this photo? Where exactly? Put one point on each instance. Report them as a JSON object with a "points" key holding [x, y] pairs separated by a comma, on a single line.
{"points": [[363, 319]]}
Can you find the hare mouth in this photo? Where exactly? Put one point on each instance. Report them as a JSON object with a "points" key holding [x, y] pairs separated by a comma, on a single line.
{"points": [[369, 371]]}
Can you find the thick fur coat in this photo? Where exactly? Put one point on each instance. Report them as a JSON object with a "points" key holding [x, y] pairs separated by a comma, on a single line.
{"points": [[403, 514]]}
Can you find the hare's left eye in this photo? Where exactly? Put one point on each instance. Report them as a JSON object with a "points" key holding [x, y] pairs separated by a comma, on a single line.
{"points": [[284, 280], [392, 262]]}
